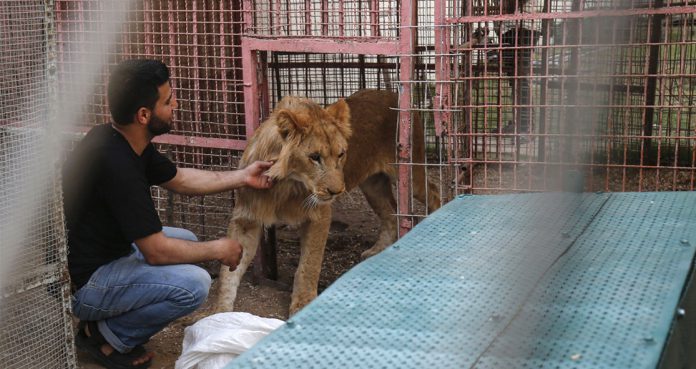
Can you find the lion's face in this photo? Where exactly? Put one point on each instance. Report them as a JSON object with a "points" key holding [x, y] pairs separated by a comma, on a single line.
{"points": [[315, 141]]}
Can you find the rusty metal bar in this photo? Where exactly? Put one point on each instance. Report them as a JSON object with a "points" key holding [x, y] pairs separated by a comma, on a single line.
{"points": [[276, 16], [201, 142], [252, 114], [651, 85], [406, 47], [443, 119], [579, 14], [264, 97], [341, 19], [545, 29], [147, 16], [318, 45], [308, 17], [325, 17], [374, 17], [223, 66]]}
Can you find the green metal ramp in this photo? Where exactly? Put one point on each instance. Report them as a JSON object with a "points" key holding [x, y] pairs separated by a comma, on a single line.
{"points": [[554, 280]]}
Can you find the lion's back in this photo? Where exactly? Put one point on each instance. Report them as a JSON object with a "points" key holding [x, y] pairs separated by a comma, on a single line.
{"points": [[371, 148]]}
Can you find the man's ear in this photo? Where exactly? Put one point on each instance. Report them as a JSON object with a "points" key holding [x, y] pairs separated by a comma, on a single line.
{"points": [[143, 115], [289, 124]]}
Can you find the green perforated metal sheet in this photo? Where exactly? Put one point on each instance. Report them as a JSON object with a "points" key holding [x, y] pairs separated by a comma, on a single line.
{"points": [[514, 281]]}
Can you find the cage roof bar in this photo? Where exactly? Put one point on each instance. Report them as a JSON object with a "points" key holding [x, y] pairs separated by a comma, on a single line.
{"points": [[318, 45], [574, 15]]}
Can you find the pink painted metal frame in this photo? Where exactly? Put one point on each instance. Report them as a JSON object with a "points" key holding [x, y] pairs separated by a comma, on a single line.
{"points": [[406, 41]]}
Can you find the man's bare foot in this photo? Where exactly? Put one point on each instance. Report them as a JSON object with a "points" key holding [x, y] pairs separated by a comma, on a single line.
{"points": [[107, 350]]}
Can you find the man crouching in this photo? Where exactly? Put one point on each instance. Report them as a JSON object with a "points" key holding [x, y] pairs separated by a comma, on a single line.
{"points": [[133, 276]]}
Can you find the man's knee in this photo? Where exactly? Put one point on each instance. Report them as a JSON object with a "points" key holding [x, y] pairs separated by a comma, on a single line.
{"points": [[195, 285], [180, 233]]}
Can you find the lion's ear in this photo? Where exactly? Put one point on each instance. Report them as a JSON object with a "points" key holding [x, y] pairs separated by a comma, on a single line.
{"points": [[341, 112], [289, 123], [279, 169], [287, 102]]}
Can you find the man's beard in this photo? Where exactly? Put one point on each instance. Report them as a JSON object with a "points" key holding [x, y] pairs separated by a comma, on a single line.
{"points": [[158, 126]]}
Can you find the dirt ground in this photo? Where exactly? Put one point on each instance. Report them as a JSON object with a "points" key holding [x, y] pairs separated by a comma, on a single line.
{"points": [[353, 230]]}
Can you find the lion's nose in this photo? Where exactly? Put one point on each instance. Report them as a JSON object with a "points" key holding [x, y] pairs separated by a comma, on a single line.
{"points": [[334, 193]]}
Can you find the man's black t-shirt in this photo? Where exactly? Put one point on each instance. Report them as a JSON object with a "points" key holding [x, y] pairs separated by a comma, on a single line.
{"points": [[107, 201]]}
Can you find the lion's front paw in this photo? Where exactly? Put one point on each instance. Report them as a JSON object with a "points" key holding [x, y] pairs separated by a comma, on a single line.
{"points": [[367, 253], [298, 303], [372, 251]]}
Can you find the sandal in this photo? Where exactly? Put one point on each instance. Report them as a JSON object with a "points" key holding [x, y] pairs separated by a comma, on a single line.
{"points": [[137, 350], [92, 345]]}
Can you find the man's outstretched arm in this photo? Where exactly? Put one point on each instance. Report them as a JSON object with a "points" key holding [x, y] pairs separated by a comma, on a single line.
{"points": [[189, 181]]}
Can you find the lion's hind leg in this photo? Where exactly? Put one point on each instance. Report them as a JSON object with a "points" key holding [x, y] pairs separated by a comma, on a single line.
{"points": [[425, 190], [247, 233], [378, 192]]}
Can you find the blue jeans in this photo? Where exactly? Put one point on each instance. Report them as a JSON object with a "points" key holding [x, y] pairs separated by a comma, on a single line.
{"points": [[132, 300]]}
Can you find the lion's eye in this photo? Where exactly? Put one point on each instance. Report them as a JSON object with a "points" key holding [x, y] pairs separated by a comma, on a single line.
{"points": [[342, 154], [315, 156]]}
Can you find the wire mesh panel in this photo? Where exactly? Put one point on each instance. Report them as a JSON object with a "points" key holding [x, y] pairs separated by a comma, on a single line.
{"points": [[34, 294], [322, 18], [200, 42], [325, 78], [338, 32], [373, 44], [539, 90]]}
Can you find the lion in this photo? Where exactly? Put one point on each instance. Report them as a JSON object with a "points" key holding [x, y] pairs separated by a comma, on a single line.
{"points": [[319, 154]]}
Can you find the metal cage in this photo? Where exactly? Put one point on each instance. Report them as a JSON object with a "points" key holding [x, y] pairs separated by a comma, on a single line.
{"points": [[516, 96]]}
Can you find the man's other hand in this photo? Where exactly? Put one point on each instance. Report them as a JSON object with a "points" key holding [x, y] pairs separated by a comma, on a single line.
{"points": [[230, 252]]}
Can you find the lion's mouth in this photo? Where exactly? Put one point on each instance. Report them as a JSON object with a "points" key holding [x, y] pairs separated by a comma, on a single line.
{"points": [[326, 198], [316, 199]]}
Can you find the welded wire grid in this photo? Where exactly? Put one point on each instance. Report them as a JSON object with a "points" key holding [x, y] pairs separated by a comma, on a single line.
{"points": [[329, 19], [546, 92], [200, 42], [325, 78], [35, 330]]}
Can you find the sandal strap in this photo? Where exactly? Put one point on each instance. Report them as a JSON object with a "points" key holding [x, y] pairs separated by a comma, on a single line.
{"points": [[115, 360], [94, 333], [99, 339]]}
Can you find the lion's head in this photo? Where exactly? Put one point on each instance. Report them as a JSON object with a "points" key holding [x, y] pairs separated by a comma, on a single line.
{"points": [[308, 144]]}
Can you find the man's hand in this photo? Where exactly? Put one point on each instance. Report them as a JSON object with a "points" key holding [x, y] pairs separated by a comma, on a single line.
{"points": [[254, 175], [230, 252]]}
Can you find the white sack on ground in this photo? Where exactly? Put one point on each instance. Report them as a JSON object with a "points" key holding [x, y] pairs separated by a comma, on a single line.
{"points": [[212, 342]]}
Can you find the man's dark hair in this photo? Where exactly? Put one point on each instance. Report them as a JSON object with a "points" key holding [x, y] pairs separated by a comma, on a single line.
{"points": [[133, 84]]}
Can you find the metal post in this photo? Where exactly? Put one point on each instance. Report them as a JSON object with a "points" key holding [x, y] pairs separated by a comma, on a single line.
{"points": [[651, 86], [541, 149], [60, 243], [406, 51]]}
